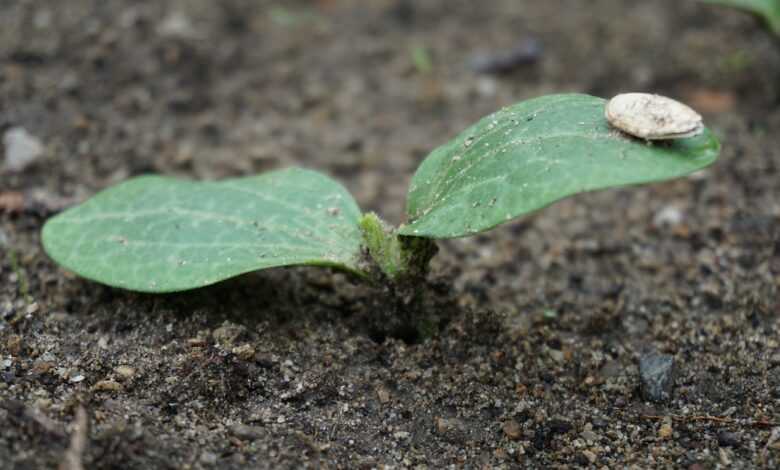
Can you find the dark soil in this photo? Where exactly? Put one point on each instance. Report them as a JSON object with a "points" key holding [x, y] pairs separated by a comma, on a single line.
{"points": [[543, 320]]}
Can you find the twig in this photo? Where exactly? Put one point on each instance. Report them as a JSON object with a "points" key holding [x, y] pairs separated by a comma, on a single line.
{"points": [[78, 442]]}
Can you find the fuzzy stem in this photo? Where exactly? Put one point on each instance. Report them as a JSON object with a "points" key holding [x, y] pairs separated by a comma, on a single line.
{"points": [[399, 257]]}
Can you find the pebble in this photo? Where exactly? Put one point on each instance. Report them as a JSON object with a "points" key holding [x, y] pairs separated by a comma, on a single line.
{"points": [[227, 333], [589, 435], [557, 356], [443, 425], [512, 430], [177, 25], [383, 394], [107, 386], [656, 373], [42, 367], [669, 216], [14, 344], [78, 378], [525, 53], [589, 455], [244, 352], [21, 148], [125, 372], [665, 431], [728, 439], [245, 432], [208, 458]]}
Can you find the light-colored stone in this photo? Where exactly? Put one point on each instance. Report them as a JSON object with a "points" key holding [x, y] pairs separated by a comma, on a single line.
{"points": [[125, 372], [245, 352], [652, 117], [665, 431], [21, 148], [107, 386]]}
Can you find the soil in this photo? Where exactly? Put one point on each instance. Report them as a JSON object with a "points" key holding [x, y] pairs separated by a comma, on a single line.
{"points": [[543, 321]]}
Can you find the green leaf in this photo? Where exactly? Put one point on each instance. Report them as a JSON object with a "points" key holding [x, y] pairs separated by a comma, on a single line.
{"points": [[532, 154], [158, 234], [769, 10]]}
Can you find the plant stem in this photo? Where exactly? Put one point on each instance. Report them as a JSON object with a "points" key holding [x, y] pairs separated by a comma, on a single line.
{"points": [[399, 257], [402, 263]]}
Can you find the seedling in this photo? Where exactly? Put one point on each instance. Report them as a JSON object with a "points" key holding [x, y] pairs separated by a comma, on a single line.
{"points": [[768, 10], [159, 234]]}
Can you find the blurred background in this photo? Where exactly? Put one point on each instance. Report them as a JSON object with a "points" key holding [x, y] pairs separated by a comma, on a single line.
{"points": [[361, 89]]}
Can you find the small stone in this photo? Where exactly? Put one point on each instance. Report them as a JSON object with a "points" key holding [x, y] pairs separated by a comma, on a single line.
{"points": [[227, 333], [107, 386], [208, 458], [589, 455], [21, 148], [11, 202], [652, 117], [665, 431], [383, 394], [177, 25], [196, 342], [656, 373], [125, 372], [557, 356], [443, 425], [247, 433], [725, 459], [589, 435], [669, 216], [14, 344], [728, 439], [512, 430], [43, 367], [245, 352], [77, 378]]}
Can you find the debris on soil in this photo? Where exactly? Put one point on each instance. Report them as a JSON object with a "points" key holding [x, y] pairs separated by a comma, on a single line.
{"points": [[11, 201], [728, 439], [656, 373], [512, 430], [666, 430], [669, 216], [527, 52], [72, 460], [21, 148]]}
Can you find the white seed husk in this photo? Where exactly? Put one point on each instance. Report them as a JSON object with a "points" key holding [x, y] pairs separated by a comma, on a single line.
{"points": [[652, 117]]}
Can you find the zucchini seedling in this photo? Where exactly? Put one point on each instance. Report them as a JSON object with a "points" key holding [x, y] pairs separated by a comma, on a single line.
{"points": [[159, 234]]}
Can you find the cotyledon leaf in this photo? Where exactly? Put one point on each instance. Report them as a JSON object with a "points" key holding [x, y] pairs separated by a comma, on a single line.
{"points": [[531, 154], [159, 234]]}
